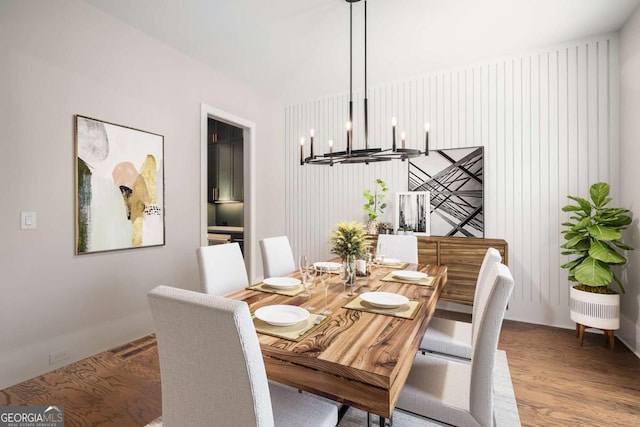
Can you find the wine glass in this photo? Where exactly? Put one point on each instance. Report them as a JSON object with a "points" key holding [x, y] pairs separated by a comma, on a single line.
{"points": [[303, 265], [325, 280], [309, 283], [380, 253]]}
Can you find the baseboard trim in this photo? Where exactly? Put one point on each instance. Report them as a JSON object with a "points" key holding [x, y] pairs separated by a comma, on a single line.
{"points": [[629, 334], [23, 363]]}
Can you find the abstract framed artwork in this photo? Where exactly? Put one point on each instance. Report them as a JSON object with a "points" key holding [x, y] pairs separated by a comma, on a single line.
{"points": [[412, 212], [119, 187], [455, 180]]}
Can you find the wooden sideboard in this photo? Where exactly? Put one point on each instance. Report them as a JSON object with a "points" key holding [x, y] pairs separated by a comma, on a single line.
{"points": [[463, 257]]}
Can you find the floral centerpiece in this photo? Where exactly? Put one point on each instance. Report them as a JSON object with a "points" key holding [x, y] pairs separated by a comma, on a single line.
{"points": [[349, 239]]}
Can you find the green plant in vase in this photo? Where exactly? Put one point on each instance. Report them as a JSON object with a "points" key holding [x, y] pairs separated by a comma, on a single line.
{"points": [[375, 204], [593, 236], [349, 239]]}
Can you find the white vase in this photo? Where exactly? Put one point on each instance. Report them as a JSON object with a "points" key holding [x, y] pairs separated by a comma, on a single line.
{"points": [[593, 310], [349, 265]]}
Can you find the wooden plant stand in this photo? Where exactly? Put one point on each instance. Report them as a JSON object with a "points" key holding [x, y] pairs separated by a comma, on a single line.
{"points": [[608, 335]]}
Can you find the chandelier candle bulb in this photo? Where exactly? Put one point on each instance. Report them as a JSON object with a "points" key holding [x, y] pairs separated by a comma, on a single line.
{"points": [[427, 126], [311, 135], [393, 134], [348, 126], [330, 152], [402, 137], [302, 151]]}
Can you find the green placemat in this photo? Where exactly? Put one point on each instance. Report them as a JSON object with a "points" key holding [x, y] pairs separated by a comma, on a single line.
{"points": [[292, 292], [400, 266], [296, 332], [405, 311], [427, 281]]}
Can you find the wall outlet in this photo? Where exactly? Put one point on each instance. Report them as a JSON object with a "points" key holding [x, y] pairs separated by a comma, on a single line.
{"points": [[58, 357]]}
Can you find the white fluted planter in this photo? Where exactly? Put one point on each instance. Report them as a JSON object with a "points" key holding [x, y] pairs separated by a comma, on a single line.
{"points": [[600, 311]]}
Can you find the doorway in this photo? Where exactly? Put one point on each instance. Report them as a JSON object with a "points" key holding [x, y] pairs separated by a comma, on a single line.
{"points": [[227, 214]]}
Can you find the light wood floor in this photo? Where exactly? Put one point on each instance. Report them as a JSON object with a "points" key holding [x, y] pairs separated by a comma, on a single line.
{"points": [[556, 382]]}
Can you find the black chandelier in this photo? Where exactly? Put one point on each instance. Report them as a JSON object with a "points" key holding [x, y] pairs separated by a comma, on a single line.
{"points": [[366, 155]]}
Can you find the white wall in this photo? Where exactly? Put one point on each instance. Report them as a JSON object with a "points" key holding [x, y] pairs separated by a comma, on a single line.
{"points": [[629, 173], [61, 58], [548, 121]]}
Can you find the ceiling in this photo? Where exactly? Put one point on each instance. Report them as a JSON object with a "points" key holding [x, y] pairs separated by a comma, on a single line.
{"points": [[298, 50]]}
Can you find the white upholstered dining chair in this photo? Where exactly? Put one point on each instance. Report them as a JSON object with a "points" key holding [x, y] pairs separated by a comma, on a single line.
{"points": [[277, 256], [456, 392], [399, 246], [221, 269], [212, 371], [453, 337]]}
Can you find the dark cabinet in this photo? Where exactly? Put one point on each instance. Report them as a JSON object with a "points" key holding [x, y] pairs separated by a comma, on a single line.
{"points": [[225, 156], [237, 186]]}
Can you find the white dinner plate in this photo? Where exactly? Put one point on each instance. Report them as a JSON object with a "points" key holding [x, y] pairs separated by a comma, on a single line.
{"points": [[384, 299], [282, 315], [390, 261], [330, 265], [282, 282], [409, 275]]}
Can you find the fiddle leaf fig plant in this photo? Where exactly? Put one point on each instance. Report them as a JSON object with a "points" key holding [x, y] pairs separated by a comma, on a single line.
{"points": [[593, 235], [375, 204]]}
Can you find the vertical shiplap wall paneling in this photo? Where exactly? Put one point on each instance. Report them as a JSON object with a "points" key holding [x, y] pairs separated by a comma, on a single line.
{"points": [[534, 171], [545, 236], [563, 149], [491, 149], [505, 210], [547, 120], [612, 81], [553, 113], [500, 148], [525, 196], [582, 135]]}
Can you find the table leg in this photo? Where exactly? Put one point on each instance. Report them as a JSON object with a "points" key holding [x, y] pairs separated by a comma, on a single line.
{"points": [[383, 421]]}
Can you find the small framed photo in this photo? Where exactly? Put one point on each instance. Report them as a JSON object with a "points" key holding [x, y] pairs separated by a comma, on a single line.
{"points": [[412, 213]]}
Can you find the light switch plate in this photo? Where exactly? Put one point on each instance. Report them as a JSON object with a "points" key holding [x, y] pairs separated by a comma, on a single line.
{"points": [[28, 220]]}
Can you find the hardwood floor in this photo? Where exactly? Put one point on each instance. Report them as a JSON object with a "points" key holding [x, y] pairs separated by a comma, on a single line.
{"points": [[556, 382], [119, 387], [559, 383]]}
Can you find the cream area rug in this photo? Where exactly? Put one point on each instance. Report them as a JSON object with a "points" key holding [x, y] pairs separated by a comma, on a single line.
{"points": [[505, 406]]}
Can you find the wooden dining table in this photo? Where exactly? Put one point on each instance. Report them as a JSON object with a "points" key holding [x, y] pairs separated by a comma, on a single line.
{"points": [[357, 358]]}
